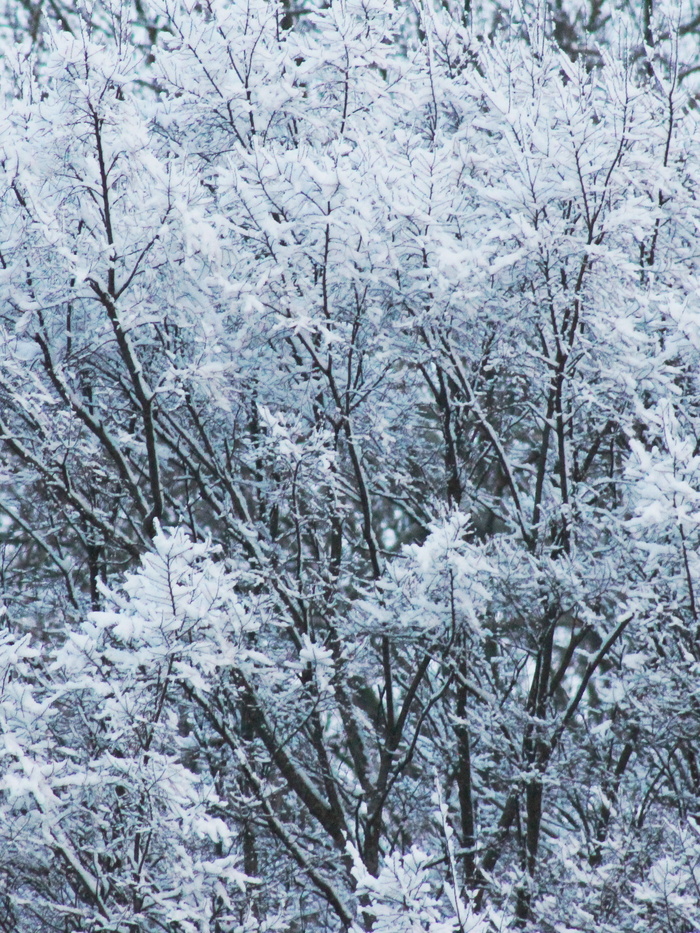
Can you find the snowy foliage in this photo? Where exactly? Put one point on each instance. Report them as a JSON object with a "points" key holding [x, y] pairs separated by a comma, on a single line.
{"points": [[349, 467]]}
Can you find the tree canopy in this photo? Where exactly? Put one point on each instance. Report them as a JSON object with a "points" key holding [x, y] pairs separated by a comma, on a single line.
{"points": [[349, 467]]}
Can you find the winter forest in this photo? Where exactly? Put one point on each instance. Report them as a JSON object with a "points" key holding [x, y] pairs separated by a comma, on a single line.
{"points": [[349, 466]]}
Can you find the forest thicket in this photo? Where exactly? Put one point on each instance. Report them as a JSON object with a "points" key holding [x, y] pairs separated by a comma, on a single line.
{"points": [[349, 466]]}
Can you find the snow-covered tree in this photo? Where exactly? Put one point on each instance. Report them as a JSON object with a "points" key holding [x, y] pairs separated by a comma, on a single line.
{"points": [[349, 430]]}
